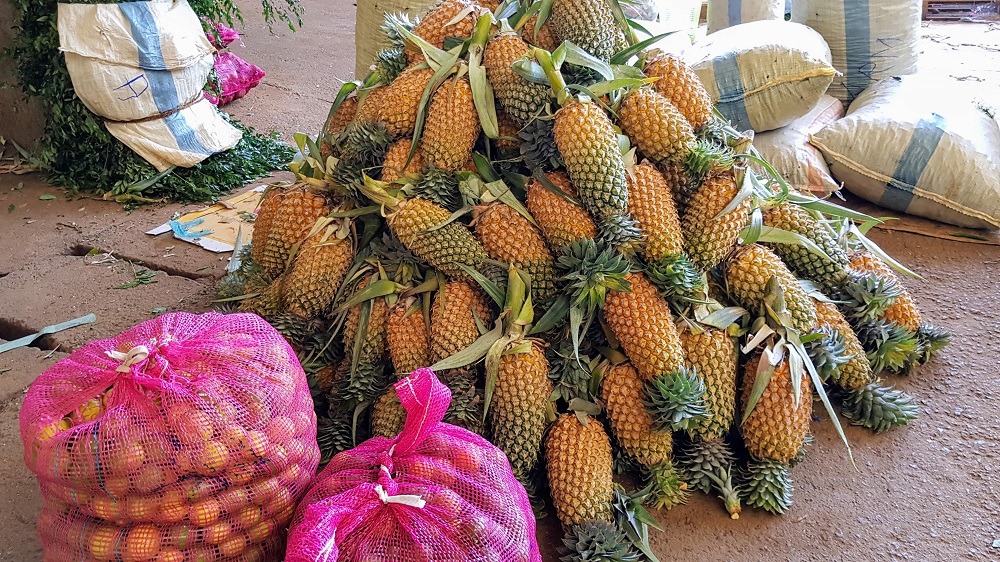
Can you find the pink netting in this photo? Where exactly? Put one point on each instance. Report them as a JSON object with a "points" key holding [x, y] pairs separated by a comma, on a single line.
{"points": [[187, 438], [236, 78], [435, 492], [221, 35]]}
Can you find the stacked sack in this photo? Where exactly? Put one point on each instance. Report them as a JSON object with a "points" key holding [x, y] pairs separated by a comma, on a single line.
{"points": [[186, 438]]}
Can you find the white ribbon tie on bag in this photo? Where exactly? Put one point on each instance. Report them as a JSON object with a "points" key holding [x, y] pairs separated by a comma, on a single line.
{"points": [[134, 355]]}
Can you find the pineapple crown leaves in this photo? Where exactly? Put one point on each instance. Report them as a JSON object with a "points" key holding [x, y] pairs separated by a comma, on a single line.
{"points": [[592, 269], [889, 346], [675, 401], [767, 485], [708, 157], [828, 351], [437, 186], [675, 275], [709, 466], [391, 25], [622, 232], [668, 486], [932, 339], [539, 151], [571, 378], [865, 296], [597, 540], [878, 407], [631, 517]]}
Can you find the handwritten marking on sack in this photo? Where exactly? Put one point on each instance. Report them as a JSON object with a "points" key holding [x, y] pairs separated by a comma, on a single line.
{"points": [[137, 86]]}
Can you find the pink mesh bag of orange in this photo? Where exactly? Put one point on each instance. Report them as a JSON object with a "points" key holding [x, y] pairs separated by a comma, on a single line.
{"points": [[435, 492], [188, 438]]}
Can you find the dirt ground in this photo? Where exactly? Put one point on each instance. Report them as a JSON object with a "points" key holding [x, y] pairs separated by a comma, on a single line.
{"points": [[926, 492]]}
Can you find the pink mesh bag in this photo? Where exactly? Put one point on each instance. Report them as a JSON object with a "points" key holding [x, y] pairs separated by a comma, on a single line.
{"points": [[188, 438], [236, 78], [220, 35], [435, 492]]}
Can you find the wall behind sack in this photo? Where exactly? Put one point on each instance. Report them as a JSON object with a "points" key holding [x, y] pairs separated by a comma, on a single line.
{"points": [[21, 120]]}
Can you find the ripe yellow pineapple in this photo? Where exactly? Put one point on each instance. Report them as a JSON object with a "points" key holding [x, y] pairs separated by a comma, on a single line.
{"points": [[589, 24], [651, 205], [623, 392], [440, 22], [747, 274], [546, 35], [398, 105], [453, 318], [776, 429], [561, 221], [830, 272], [268, 300], [443, 248], [519, 98], [408, 338], [316, 273], [641, 321], [656, 127], [509, 237], [712, 354], [509, 129], [682, 185], [679, 84], [370, 104], [373, 341], [337, 122], [388, 415], [518, 409], [452, 126], [710, 239], [285, 218], [579, 467], [902, 311], [857, 372], [395, 166]]}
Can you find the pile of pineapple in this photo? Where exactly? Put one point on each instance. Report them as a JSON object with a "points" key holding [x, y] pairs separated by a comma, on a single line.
{"points": [[551, 214]]}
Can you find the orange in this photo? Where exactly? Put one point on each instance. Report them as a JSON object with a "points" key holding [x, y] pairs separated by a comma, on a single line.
{"points": [[233, 499], [142, 543], [240, 474], [265, 490], [218, 532], [234, 546], [103, 541], [173, 510], [213, 459], [127, 458], [281, 500], [141, 508], [205, 512], [170, 555], [117, 486], [261, 531], [181, 536], [235, 438], [281, 429], [291, 475], [151, 478], [259, 444], [247, 517], [296, 450], [106, 508], [192, 426], [304, 420]]}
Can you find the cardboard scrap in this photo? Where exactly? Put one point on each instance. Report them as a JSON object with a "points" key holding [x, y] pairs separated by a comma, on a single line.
{"points": [[218, 225]]}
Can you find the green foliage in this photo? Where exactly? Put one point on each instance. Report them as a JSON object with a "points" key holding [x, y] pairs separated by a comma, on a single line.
{"points": [[78, 153]]}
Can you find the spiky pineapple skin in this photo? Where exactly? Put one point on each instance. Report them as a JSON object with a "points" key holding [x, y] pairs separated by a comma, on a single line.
{"points": [[518, 409], [776, 429], [373, 344], [394, 167], [857, 372], [316, 273], [641, 321], [828, 272], [546, 38], [398, 105], [679, 84], [444, 248], [579, 469], [712, 355], [453, 318], [434, 28], [338, 122], [589, 147], [561, 221], [370, 104], [708, 239], [623, 392], [452, 126], [656, 127], [650, 203], [511, 238], [388, 415], [268, 301], [521, 99], [287, 216], [589, 24], [903, 310], [747, 274], [508, 129], [408, 339]]}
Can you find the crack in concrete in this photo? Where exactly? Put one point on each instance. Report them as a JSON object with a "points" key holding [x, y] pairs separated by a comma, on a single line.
{"points": [[80, 250], [11, 330]]}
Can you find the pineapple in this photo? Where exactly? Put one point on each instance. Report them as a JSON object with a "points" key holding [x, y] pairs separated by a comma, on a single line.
{"points": [[398, 105], [445, 247], [268, 300], [623, 392], [366, 376], [640, 320], [451, 18], [712, 355], [373, 342], [830, 273], [589, 147], [561, 221], [589, 24], [710, 239], [336, 123], [316, 273], [518, 409], [388, 415], [653, 208], [509, 237], [679, 84], [370, 103], [856, 372], [508, 145], [902, 311], [284, 220], [682, 185], [395, 167], [453, 318], [747, 275], [656, 127], [776, 429], [519, 98], [579, 467], [408, 338], [452, 126], [543, 37]]}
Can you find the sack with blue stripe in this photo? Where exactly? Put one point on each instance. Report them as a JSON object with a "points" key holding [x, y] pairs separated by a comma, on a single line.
{"points": [[765, 74], [869, 39], [728, 13], [142, 66], [916, 146]]}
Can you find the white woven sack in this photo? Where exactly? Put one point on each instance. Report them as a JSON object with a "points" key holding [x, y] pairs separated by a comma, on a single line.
{"points": [[912, 145], [142, 66], [763, 75], [727, 13], [788, 150], [368, 35], [869, 39]]}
